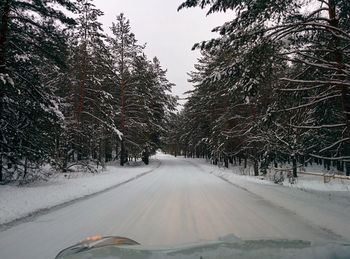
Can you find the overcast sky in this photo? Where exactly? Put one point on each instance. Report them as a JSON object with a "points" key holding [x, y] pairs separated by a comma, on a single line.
{"points": [[169, 34]]}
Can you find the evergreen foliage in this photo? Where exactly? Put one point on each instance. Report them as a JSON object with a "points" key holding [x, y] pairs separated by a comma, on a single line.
{"points": [[274, 86], [70, 94]]}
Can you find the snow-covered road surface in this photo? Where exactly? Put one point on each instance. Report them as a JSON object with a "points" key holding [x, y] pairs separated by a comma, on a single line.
{"points": [[178, 203]]}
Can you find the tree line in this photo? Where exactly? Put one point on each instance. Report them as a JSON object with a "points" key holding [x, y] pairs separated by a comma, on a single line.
{"points": [[72, 94], [273, 87]]}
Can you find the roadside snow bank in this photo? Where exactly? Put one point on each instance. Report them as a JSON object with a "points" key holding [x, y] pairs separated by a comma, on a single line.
{"points": [[20, 201], [316, 183], [327, 209], [304, 181]]}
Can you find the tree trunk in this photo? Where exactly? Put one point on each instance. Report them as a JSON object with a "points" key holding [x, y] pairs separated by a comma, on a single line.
{"points": [[347, 168], [328, 165], [256, 167], [340, 166], [345, 92], [122, 117], [122, 153], [295, 168], [65, 157], [226, 162], [25, 168], [145, 156], [230, 158], [1, 165], [116, 150]]}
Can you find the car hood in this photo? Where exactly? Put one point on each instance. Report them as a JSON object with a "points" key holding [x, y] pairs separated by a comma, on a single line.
{"points": [[234, 248]]}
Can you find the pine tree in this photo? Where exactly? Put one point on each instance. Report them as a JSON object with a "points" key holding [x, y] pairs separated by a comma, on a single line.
{"points": [[147, 101], [124, 48]]}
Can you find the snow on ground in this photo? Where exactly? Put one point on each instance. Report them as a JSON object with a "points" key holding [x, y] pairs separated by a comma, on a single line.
{"points": [[324, 204], [303, 182], [183, 203], [20, 201], [316, 183]]}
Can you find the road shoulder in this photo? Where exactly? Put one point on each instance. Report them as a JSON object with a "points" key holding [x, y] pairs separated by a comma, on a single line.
{"points": [[23, 204]]}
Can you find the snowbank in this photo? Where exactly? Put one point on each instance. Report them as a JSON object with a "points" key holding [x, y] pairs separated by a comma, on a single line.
{"points": [[304, 181], [326, 205], [20, 201]]}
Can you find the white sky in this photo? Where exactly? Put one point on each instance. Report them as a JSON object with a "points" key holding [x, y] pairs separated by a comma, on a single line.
{"points": [[169, 34]]}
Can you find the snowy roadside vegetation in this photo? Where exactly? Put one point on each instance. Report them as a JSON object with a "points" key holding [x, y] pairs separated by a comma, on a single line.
{"points": [[311, 178], [20, 201]]}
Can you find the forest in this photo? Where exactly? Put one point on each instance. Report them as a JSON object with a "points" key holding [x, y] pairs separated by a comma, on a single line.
{"points": [[72, 94], [273, 88], [174, 129]]}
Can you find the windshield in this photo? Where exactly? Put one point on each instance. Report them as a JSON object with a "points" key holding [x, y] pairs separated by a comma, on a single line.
{"points": [[167, 128]]}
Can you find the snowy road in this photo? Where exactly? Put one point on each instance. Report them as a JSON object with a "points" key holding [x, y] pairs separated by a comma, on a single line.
{"points": [[176, 204]]}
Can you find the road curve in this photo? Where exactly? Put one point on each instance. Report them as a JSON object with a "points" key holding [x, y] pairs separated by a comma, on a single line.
{"points": [[176, 204]]}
